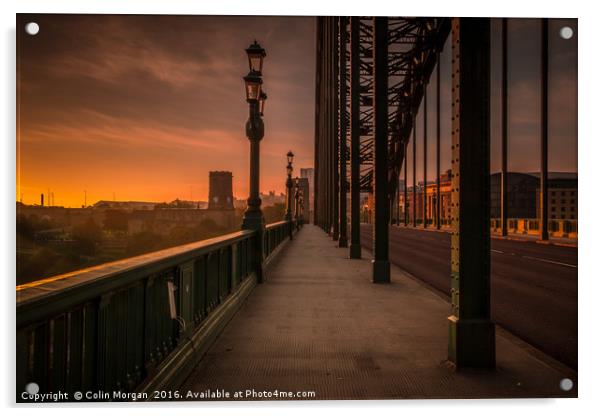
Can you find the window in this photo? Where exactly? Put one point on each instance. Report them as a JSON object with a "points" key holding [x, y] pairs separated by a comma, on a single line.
{"points": [[562, 209], [553, 201], [553, 193], [562, 193], [553, 209]]}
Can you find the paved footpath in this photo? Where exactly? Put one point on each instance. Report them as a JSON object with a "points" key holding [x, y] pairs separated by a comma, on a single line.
{"points": [[319, 324]]}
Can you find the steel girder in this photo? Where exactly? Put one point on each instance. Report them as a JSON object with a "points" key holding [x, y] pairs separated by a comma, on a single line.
{"points": [[414, 43]]}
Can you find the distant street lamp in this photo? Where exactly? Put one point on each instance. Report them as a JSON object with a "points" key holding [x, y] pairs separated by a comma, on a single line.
{"points": [[253, 217], [289, 192], [297, 195], [289, 186], [301, 207]]}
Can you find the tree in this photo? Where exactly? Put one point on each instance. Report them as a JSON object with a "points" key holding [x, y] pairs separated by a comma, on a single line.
{"points": [[143, 242], [116, 220], [87, 235], [274, 213]]}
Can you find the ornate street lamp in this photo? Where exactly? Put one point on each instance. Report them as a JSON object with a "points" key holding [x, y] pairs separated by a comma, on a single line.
{"points": [[297, 195], [289, 192], [253, 83], [253, 217], [301, 207], [255, 53], [289, 186]]}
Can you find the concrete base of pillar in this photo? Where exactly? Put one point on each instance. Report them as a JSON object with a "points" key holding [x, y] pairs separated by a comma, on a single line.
{"points": [[342, 242], [381, 271], [471, 343]]}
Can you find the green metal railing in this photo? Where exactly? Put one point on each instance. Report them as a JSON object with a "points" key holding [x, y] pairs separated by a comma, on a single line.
{"points": [[111, 326], [275, 234]]}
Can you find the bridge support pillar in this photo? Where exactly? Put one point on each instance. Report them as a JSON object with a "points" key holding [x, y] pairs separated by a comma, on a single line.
{"points": [[471, 331], [381, 272], [355, 249], [342, 132]]}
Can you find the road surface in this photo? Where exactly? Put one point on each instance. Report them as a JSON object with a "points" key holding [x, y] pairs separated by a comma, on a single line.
{"points": [[534, 286]]}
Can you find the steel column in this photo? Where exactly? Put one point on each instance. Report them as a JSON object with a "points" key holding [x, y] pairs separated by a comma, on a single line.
{"points": [[438, 150], [405, 187], [355, 250], [504, 173], [397, 203], [342, 132], [543, 183], [380, 263], [424, 155], [471, 331], [334, 94], [328, 161], [317, 142], [414, 170]]}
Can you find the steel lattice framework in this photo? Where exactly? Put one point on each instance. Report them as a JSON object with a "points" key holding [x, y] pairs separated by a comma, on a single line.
{"points": [[414, 45]]}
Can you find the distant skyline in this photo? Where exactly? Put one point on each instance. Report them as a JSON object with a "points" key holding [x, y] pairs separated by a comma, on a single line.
{"points": [[145, 106]]}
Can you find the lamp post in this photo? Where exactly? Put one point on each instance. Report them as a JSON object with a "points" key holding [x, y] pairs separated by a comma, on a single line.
{"points": [[289, 193], [253, 218], [301, 209], [297, 194]]}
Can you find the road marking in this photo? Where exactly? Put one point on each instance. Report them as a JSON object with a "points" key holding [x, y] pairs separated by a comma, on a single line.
{"points": [[551, 261], [497, 251]]}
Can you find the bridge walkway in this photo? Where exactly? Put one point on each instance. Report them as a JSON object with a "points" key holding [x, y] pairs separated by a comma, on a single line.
{"points": [[318, 324]]}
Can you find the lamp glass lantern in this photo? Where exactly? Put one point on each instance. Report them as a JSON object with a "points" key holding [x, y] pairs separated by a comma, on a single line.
{"points": [[255, 53], [253, 86], [262, 99], [290, 156]]}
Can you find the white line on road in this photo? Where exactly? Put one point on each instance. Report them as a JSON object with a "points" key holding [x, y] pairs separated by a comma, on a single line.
{"points": [[551, 261], [497, 251]]}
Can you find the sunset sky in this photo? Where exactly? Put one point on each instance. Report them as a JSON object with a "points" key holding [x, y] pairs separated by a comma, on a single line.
{"points": [[145, 106]]}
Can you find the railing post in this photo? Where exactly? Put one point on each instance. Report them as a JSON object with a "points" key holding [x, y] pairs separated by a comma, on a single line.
{"points": [[471, 331], [380, 264]]}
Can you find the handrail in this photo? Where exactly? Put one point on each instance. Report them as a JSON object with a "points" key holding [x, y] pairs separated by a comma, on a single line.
{"points": [[81, 285], [111, 326]]}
